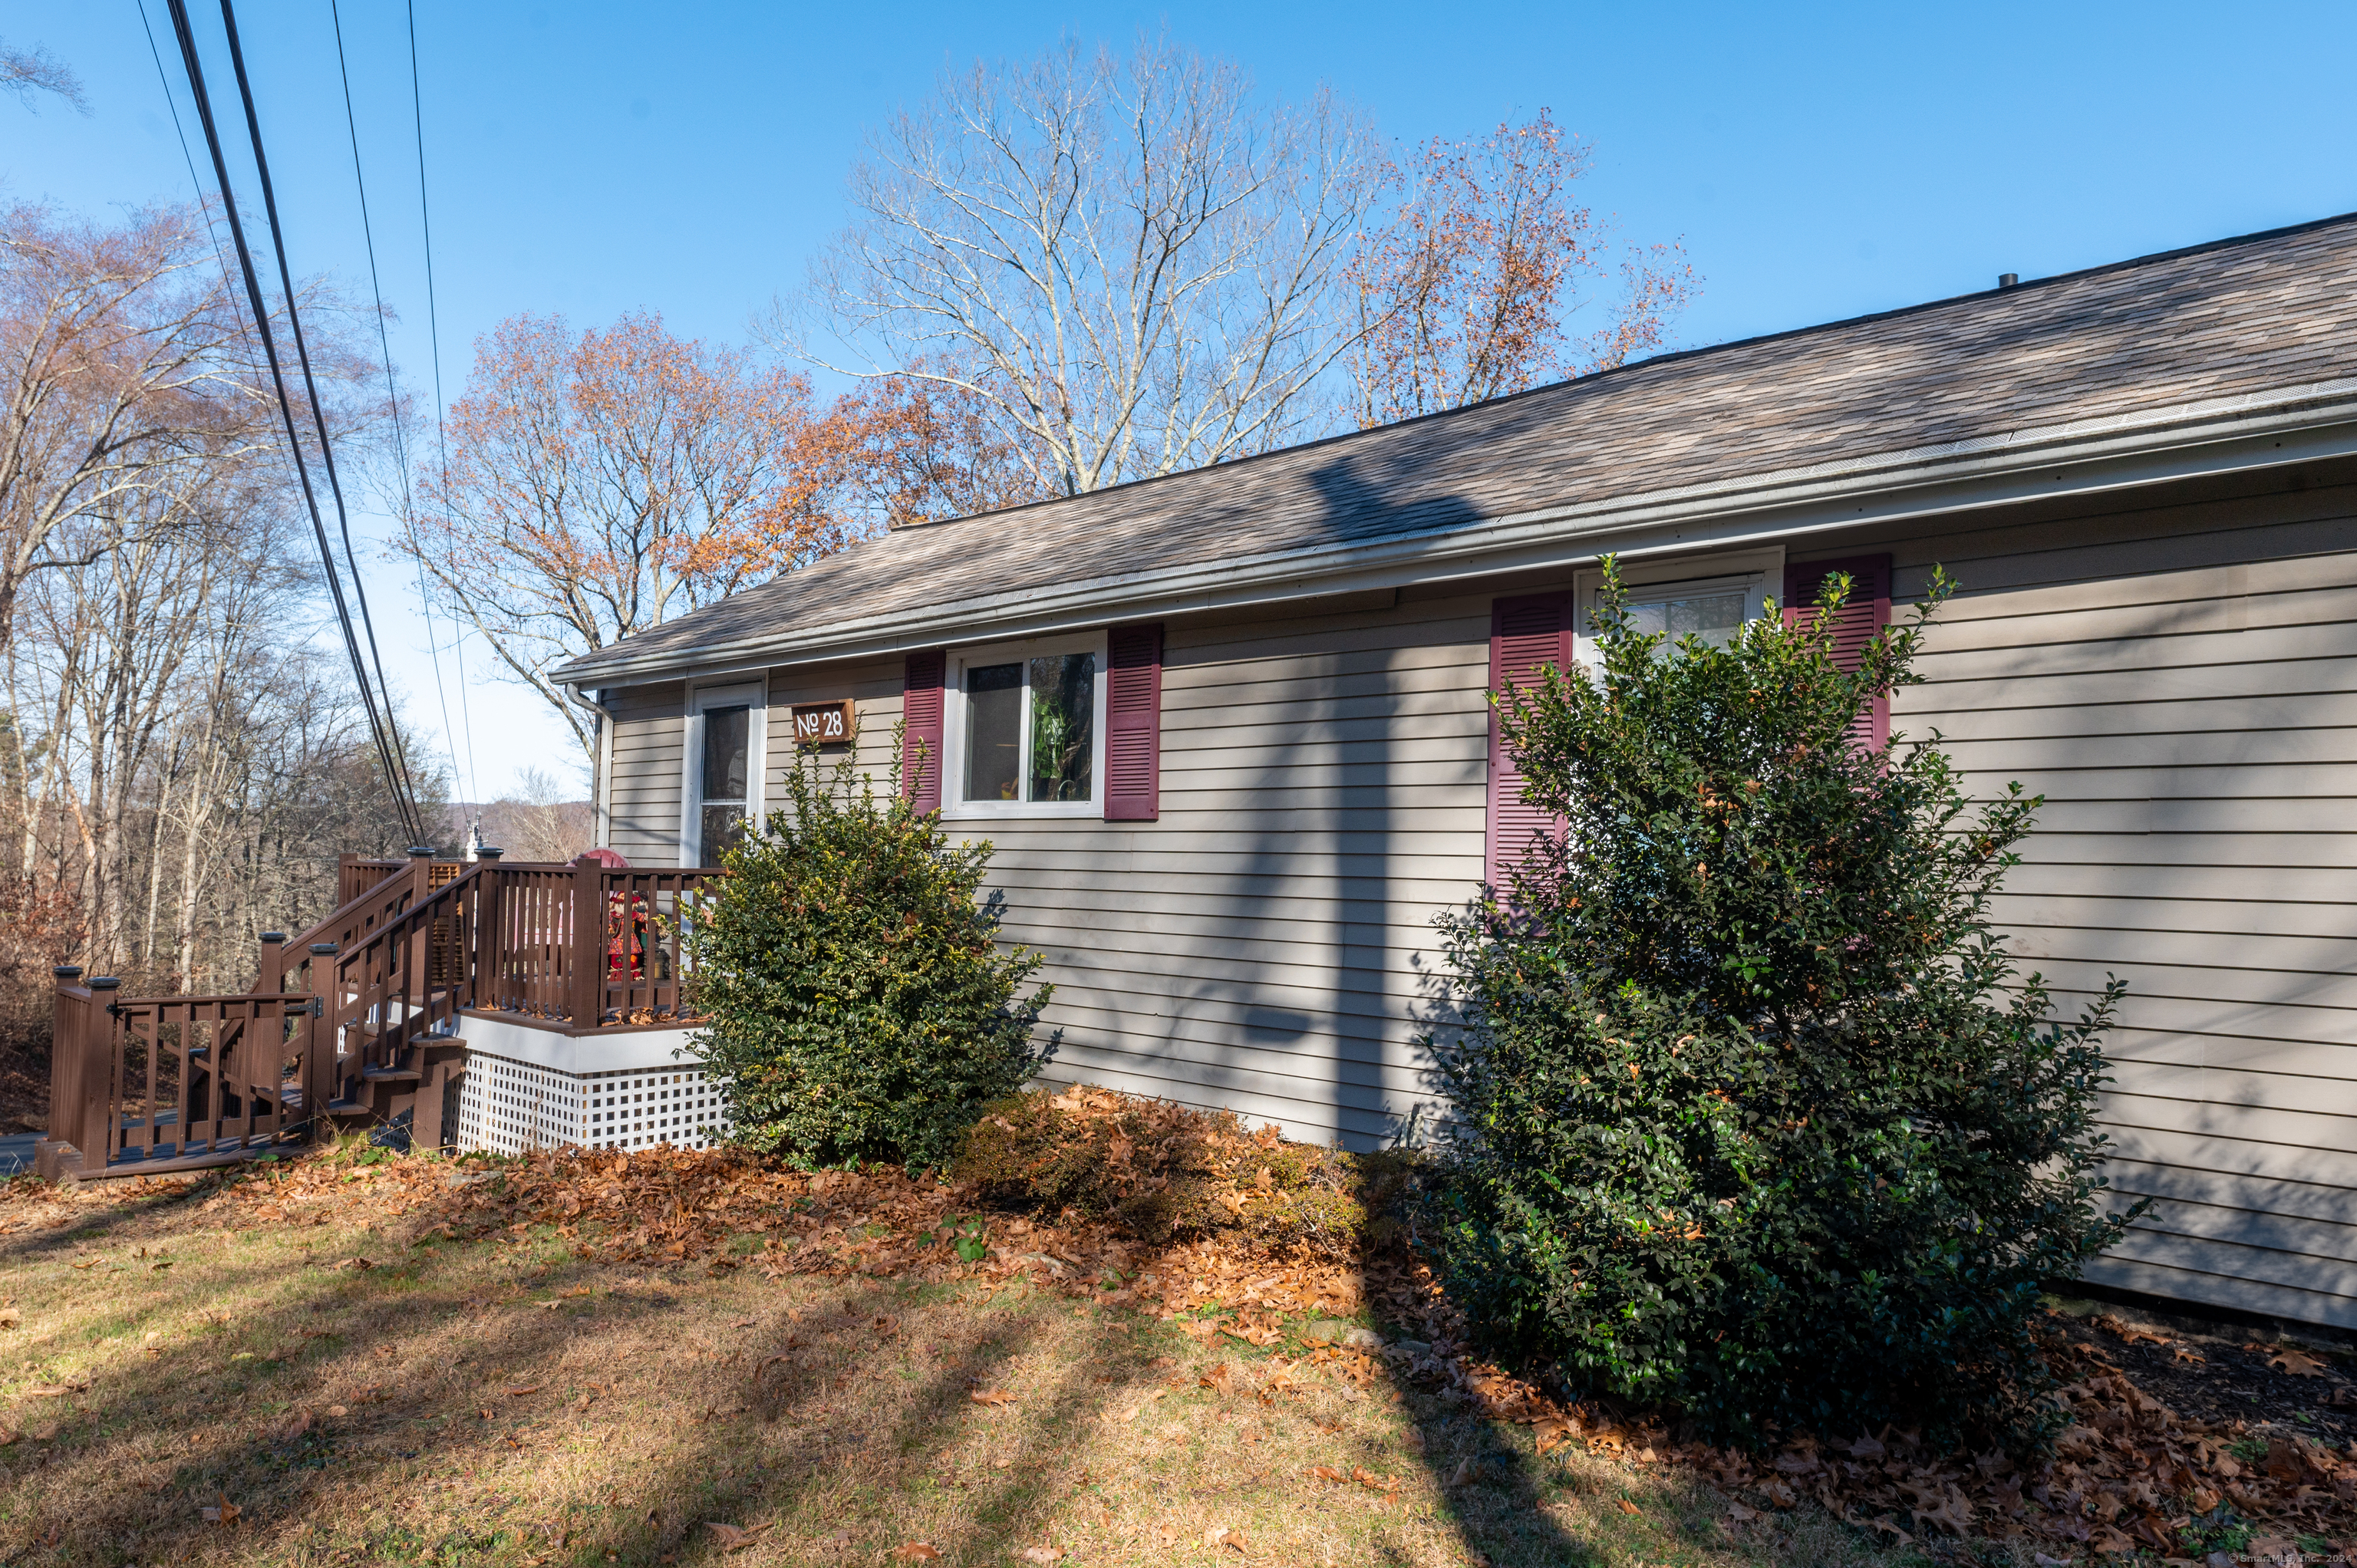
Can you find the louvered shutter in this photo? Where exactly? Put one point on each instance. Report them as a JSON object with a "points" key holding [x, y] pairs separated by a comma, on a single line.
{"points": [[1868, 611], [1526, 636], [922, 708], [1134, 724]]}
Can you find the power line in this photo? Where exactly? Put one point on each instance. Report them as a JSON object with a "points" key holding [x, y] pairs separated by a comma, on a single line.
{"points": [[434, 335], [407, 787], [186, 35], [391, 393]]}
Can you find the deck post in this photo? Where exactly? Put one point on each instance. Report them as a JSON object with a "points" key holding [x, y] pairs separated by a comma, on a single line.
{"points": [[588, 954], [273, 976], [67, 1007], [95, 1130], [484, 988]]}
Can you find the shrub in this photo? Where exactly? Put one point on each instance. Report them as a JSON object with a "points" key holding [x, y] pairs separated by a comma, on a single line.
{"points": [[859, 1006], [1754, 1116], [1162, 1171]]}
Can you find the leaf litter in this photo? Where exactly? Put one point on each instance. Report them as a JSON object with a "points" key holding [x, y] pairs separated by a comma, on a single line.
{"points": [[2127, 1475]]}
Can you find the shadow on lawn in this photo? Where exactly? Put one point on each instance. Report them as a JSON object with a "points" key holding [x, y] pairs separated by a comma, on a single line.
{"points": [[1500, 1488], [156, 1438]]}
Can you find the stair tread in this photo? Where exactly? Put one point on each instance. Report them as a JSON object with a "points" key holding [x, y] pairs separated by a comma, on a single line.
{"points": [[389, 1074]]}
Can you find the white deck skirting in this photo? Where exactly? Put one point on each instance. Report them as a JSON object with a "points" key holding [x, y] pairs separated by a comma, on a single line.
{"points": [[536, 1089]]}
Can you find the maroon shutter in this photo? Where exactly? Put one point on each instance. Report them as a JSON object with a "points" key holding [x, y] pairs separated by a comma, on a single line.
{"points": [[920, 737], [1868, 611], [1526, 635], [1134, 724]]}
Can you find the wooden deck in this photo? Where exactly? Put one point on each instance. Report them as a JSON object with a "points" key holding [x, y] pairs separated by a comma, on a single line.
{"points": [[356, 1021]]}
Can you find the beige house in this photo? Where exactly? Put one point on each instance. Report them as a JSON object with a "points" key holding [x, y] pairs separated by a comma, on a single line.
{"points": [[1228, 729]]}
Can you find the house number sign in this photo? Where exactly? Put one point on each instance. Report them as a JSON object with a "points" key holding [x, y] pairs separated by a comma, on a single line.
{"points": [[824, 724]]}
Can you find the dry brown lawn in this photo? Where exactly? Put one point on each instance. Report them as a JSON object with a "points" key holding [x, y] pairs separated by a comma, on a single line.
{"points": [[339, 1395]]}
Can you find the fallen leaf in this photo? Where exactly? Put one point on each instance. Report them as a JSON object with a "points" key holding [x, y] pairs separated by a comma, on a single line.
{"points": [[46, 1434], [2295, 1364], [1628, 1507], [337, 1410], [1467, 1471], [1326, 1473], [527, 1389], [358, 1265], [225, 1514], [1042, 1553], [916, 1551], [50, 1390], [732, 1539], [991, 1396], [746, 1323], [1234, 1540]]}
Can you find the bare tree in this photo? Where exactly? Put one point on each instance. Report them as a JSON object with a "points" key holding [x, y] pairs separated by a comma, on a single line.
{"points": [[600, 484], [121, 357], [30, 72], [539, 819], [1475, 283], [1131, 265]]}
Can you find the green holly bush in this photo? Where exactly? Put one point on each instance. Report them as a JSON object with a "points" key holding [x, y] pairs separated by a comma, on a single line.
{"points": [[1755, 1116], [858, 1005]]}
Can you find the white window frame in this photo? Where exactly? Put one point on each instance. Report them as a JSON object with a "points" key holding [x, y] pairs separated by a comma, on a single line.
{"points": [[1759, 574], [751, 694], [954, 807]]}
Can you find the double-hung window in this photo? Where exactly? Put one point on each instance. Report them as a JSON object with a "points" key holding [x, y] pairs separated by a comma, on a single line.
{"points": [[1712, 608], [724, 758], [1024, 729]]}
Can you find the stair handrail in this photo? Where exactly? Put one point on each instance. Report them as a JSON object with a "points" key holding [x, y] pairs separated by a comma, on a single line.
{"points": [[342, 925]]}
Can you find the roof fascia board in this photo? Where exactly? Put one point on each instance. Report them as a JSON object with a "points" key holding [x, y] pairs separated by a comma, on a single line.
{"points": [[2082, 458]]}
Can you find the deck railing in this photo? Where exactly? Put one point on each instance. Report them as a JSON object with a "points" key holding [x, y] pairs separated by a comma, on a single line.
{"points": [[140, 1080], [179, 1079], [580, 946]]}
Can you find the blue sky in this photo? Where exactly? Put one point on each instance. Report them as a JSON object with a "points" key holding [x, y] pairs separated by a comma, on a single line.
{"points": [[1817, 162]]}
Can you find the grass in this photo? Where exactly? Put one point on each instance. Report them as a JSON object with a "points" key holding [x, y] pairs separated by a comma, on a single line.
{"points": [[505, 1401]]}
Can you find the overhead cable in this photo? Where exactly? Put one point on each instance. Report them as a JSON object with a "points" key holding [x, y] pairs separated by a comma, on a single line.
{"points": [[408, 785], [392, 393], [395, 779]]}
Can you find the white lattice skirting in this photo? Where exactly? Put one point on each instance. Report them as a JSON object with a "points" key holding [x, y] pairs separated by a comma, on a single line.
{"points": [[625, 1091]]}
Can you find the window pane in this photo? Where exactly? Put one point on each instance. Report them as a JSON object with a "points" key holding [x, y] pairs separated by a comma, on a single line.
{"points": [[1063, 706], [994, 731], [1714, 618], [722, 827], [724, 731]]}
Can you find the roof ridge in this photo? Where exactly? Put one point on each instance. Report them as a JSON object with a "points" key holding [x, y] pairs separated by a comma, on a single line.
{"points": [[1675, 356]]}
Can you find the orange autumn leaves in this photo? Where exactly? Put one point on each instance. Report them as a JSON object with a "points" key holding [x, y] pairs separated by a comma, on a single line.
{"points": [[601, 482]]}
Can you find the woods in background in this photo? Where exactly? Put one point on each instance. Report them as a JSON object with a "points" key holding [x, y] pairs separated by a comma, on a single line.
{"points": [[179, 765]]}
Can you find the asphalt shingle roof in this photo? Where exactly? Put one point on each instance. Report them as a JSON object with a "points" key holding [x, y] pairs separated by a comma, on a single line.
{"points": [[2265, 312]]}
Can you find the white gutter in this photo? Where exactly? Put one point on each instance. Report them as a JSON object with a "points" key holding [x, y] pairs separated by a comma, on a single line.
{"points": [[2186, 440]]}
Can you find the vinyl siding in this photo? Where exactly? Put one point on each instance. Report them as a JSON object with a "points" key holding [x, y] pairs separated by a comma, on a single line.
{"points": [[2179, 681], [646, 772]]}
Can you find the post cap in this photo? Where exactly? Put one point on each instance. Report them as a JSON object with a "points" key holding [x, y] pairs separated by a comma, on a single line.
{"points": [[103, 982], [421, 852], [488, 852], [323, 950], [67, 971], [274, 936]]}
